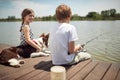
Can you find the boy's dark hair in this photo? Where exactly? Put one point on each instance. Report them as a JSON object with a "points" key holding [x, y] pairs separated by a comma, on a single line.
{"points": [[63, 12]]}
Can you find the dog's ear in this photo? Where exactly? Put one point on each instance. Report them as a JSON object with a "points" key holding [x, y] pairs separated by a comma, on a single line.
{"points": [[42, 35], [48, 35], [46, 39]]}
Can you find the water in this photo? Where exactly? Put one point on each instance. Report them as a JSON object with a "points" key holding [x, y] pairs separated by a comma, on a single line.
{"points": [[104, 36]]}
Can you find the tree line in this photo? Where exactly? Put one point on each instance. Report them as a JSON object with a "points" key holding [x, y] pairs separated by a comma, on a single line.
{"points": [[110, 14]]}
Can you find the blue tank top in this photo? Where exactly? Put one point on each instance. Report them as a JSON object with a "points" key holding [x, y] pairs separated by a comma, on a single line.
{"points": [[22, 37]]}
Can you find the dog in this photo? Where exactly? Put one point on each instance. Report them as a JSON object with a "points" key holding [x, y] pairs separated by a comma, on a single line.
{"points": [[12, 55], [42, 41]]}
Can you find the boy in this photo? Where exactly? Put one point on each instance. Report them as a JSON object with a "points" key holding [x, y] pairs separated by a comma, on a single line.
{"points": [[62, 39]]}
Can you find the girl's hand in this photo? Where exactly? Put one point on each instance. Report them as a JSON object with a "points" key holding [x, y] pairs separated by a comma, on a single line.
{"points": [[38, 50]]}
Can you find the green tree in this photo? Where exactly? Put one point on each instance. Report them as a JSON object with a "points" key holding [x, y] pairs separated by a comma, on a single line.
{"points": [[93, 15], [105, 13], [75, 17], [112, 12], [12, 18]]}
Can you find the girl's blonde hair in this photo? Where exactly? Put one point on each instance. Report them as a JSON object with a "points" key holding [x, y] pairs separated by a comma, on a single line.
{"points": [[63, 11]]}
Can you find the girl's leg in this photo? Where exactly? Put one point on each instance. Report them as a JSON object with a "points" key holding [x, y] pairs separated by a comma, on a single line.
{"points": [[26, 50]]}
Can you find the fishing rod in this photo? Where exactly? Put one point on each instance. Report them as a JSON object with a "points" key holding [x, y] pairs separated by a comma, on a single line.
{"points": [[92, 39], [83, 45]]}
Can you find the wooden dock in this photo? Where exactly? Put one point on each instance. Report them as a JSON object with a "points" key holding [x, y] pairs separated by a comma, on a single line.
{"points": [[39, 69]]}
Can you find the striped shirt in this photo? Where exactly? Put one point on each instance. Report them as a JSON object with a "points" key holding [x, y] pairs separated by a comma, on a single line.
{"points": [[22, 37]]}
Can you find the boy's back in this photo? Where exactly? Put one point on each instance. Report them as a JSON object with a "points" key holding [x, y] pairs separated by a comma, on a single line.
{"points": [[60, 36]]}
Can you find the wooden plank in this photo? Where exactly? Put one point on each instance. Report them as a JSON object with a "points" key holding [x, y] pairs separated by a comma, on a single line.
{"points": [[98, 72], [39, 69], [112, 72], [69, 70], [118, 76], [34, 75], [77, 68], [6, 70], [85, 71], [47, 77], [23, 71], [43, 74]]}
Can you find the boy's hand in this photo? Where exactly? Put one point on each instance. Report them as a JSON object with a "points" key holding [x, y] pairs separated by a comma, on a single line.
{"points": [[80, 47]]}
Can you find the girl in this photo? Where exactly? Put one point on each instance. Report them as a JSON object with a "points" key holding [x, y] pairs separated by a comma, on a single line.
{"points": [[27, 44]]}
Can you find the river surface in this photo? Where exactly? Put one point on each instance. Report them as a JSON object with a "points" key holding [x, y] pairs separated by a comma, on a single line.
{"points": [[103, 37]]}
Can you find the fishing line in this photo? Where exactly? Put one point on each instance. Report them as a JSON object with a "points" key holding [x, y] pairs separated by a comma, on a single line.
{"points": [[83, 45], [94, 38]]}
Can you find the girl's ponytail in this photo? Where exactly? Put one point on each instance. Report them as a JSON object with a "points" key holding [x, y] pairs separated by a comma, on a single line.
{"points": [[21, 24]]}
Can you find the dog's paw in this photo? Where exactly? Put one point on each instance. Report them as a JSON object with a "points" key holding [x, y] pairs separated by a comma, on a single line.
{"points": [[46, 54], [38, 54], [14, 63], [46, 51], [21, 61]]}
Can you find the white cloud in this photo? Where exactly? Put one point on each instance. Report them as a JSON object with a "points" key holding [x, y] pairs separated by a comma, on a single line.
{"points": [[97, 6], [48, 8], [19, 5], [37, 7]]}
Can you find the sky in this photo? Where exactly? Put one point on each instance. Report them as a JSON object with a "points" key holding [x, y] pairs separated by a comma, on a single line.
{"points": [[47, 7]]}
